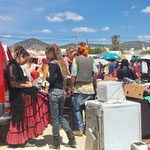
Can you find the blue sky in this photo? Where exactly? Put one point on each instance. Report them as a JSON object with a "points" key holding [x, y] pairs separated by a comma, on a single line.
{"points": [[71, 21]]}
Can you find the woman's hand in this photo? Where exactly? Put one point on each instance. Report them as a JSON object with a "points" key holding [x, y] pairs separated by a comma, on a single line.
{"points": [[29, 84]]}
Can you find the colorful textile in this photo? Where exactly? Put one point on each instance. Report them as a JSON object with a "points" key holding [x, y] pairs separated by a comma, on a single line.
{"points": [[84, 49], [68, 61], [147, 98], [85, 88], [36, 118]]}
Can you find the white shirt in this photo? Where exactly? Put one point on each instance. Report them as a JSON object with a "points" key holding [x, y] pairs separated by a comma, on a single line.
{"points": [[27, 71]]}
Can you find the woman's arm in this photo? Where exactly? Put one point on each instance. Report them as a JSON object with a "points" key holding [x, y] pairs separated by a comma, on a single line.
{"points": [[12, 79]]}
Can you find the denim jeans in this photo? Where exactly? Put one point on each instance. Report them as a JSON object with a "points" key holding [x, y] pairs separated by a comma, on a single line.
{"points": [[57, 100], [78, 102]]}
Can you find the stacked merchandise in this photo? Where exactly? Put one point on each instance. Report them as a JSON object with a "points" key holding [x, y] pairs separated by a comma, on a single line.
{"points": [[113, 123]]}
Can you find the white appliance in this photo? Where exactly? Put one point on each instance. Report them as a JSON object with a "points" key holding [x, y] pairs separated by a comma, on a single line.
{"points": [[115, 126], [138, 146], [110, 91]]}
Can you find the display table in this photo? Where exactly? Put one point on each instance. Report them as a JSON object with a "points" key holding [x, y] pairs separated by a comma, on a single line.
{"points": [[68, 112], [145, 116]]}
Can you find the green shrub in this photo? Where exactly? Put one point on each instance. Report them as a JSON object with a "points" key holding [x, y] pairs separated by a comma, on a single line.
{"points": [[96, 50]]}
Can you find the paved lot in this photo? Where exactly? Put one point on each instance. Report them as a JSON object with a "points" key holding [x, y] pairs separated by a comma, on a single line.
{"points": [[42, 142]]}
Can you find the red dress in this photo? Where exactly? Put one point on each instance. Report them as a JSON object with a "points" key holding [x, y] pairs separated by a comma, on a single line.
{"points": [[28, 117], [36, 118]]}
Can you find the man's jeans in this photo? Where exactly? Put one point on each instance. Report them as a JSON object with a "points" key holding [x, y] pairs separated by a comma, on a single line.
{"points": [[78, 102], [57, 100]]}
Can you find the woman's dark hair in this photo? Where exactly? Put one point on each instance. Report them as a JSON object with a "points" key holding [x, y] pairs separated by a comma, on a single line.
{"points": [[20, 50], [124, 62], [138, 60]]}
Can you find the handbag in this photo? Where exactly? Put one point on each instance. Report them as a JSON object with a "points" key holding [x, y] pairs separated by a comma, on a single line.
{"points": [[35, 74]]}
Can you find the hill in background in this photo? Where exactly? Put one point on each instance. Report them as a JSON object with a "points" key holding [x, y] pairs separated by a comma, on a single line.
{"points": [[134, 44], [32, 44], [40, 45]]}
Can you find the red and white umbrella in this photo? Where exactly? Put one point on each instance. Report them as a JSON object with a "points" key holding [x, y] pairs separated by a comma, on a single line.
{"points": [[34, 53], [102, 61]]}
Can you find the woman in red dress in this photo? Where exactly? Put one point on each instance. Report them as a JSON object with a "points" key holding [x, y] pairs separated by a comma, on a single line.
{"points": [[29, 107]]}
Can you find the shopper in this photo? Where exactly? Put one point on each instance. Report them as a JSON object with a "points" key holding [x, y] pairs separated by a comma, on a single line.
{"points": [[58, 71], [29, 67], [29, 108], [125, 71], [137, 72], [82, 74], [70, 54], [112, 66]]}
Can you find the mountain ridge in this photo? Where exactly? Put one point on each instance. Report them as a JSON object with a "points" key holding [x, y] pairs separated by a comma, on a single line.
{"points": [[40, 45]]}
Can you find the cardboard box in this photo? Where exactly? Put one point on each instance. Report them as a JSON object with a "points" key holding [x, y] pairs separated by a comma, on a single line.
{"points": [[134, 90], [107, 78]]}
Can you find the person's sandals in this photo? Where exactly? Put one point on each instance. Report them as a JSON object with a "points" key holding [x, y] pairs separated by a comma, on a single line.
{"points": [[78, 133]]}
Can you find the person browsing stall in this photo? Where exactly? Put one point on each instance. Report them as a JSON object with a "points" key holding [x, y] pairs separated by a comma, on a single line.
{"points": [[58, 71]]}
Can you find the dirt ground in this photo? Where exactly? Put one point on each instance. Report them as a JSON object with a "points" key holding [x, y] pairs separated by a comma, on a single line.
{"points": [[44, 140]]}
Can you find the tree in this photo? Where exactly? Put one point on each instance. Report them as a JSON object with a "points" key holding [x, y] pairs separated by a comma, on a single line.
{"points": [[96, 50], [115, 42]]}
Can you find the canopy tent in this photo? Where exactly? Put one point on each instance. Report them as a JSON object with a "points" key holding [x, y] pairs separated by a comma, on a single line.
{"points": [[123, 56], [110, 56], [101, 54], [34, 53], [102, 61]]}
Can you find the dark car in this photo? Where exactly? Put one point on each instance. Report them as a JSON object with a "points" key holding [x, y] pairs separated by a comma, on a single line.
{"points": [[4, 94]]}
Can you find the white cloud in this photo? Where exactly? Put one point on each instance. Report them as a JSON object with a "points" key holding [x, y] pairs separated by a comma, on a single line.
{"points": [[46, 31], [60, 17], [106, 28], [84, 29], [133, 7], [6, 18], [144, 37], [146, 10], [72, 16], [39, 9], [102, 39], [6, 36], [54, 19]]}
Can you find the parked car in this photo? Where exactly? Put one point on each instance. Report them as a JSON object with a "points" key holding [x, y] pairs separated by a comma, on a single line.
{"points": [[4, 94]]}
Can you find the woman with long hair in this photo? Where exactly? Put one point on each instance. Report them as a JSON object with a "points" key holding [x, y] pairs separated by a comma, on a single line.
{"points": [[29, 108], [58, 71], [125, 71]]}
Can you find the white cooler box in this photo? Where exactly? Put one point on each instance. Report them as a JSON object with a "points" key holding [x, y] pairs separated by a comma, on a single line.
{"points": [[114, 126], [110, 91]]}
